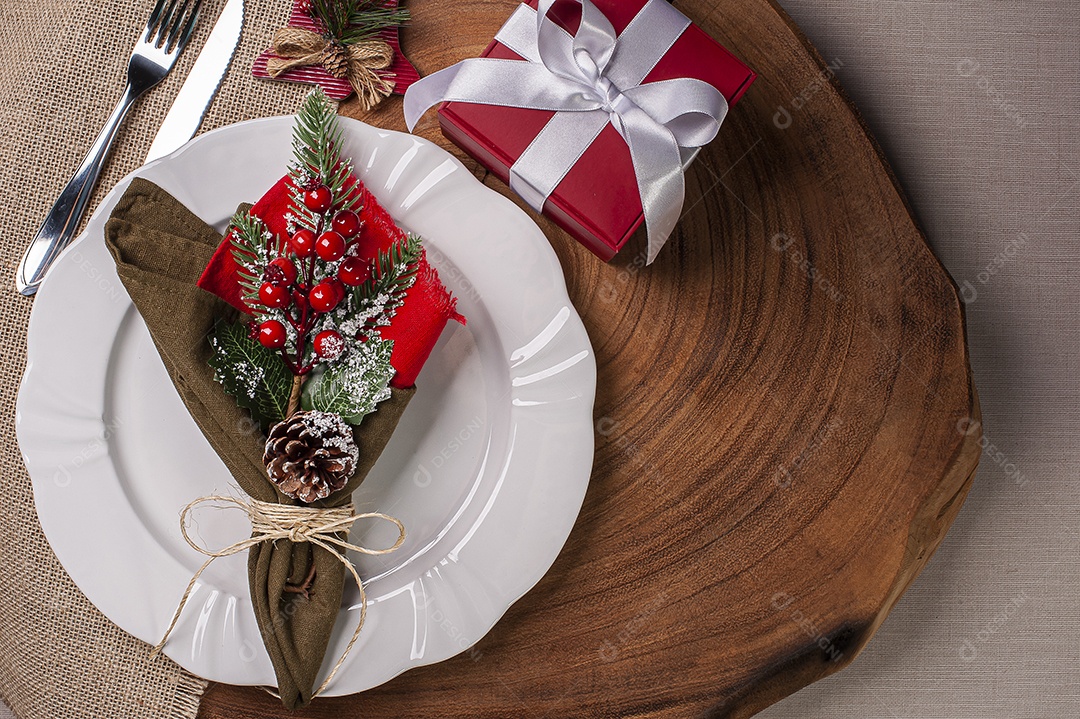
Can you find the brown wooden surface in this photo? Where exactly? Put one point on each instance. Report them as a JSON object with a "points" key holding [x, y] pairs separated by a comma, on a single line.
{"points": [[779, 398]]}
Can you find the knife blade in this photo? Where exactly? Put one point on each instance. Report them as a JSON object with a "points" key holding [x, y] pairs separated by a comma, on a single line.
{"points": [[191, 103]]}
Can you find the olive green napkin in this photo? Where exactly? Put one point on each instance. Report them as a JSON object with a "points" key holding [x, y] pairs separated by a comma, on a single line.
{"points": [[161, 249]]}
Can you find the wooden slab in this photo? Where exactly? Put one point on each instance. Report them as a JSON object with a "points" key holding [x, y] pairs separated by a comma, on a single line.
{"points": [[782, 421]]}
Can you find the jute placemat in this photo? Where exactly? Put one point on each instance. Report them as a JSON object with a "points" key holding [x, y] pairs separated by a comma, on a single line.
{"points": [[62, 68]]}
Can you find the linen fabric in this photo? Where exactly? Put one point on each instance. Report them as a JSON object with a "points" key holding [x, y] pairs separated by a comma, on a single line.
{"points": [[161, 249]]}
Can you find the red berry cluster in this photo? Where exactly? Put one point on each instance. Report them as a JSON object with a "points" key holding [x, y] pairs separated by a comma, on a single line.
{"points": [[288, 283]]}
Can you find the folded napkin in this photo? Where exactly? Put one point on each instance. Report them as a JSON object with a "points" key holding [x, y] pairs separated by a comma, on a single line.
{"points": [[418, 323], [161, 250]]}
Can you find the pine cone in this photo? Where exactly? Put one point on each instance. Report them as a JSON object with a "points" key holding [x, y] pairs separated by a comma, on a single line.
{"points": [[335, 59], [310, 455]]}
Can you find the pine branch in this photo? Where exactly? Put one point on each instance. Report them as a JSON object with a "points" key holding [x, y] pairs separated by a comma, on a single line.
{"points": [[350, 21], [317, 139], [394, 273], [249, 250], [334, 15], [363, 24], [374, 303]]}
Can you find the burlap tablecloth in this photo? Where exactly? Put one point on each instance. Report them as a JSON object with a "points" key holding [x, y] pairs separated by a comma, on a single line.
{"points": [[62, 66]]}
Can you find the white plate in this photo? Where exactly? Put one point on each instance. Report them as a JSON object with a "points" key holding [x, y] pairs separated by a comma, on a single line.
{"points": [[487, 469]]}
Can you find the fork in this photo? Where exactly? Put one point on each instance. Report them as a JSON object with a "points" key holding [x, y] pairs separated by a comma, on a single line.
{"points": [[167, 33]]}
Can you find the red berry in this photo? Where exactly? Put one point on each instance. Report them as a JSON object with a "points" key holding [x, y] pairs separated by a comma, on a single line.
{"points": [[273, 295], [303, 243], [339, 288], [354, 271], [324, 297], [329, 345], [286, 271], [347, 223], [318, 200], [272, 334], [330, 246]]}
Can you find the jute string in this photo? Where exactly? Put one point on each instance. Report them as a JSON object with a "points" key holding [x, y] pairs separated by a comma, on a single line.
{"points": [[357, 62], [271, 521]]}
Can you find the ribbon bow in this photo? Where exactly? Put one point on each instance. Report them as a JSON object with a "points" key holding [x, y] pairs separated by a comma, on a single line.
{"points": [[356, 62], [270, 522], [589, 79]]}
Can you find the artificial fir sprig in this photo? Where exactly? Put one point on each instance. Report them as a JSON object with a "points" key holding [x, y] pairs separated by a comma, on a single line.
{"points": [[394, 273], [351, 21], [316, 303], [317, 143], [252, 252]]}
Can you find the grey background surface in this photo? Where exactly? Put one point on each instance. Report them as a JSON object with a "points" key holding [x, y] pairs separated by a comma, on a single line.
{"points": [[976, 107]]}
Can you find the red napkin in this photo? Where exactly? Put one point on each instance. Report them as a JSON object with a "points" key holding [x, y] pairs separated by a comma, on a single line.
{"points": [[418, 323]]}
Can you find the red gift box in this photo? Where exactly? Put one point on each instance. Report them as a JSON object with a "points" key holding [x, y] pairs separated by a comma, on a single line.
{"points": [[597, 201]]}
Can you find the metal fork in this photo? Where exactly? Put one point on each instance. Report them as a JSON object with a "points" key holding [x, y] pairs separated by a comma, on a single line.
{"points": [[167, 32]]}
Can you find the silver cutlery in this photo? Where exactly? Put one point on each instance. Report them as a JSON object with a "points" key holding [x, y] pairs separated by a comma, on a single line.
{"points": [[202, 83], [167, 33]]}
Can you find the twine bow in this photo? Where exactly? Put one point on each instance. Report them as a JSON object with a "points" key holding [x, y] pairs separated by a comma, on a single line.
{"points": [[356, 62], [270, 522]]}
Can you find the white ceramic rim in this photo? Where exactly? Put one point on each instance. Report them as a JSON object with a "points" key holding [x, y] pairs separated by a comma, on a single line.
{"points": [[486, 248]]}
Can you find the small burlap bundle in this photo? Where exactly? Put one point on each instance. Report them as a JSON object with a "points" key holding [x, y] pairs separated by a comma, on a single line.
{"points": [[358, 63]]}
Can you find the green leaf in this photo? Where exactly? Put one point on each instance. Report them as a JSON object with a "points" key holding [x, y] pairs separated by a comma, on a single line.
{"points": [[255, 375], [355, 384]]}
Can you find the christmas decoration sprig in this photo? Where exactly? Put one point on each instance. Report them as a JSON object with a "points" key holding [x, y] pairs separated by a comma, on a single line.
{"points": [[317, 305]]}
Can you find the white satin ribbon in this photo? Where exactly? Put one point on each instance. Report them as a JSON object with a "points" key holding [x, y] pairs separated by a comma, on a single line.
{"points": [[589, 79]]}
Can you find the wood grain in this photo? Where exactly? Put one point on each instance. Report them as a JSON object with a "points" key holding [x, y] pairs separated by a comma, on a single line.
{"points": [[783, 420]]}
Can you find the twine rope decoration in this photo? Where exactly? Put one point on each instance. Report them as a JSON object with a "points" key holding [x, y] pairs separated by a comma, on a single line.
{"points": [[271, 521], [356, 62]]}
